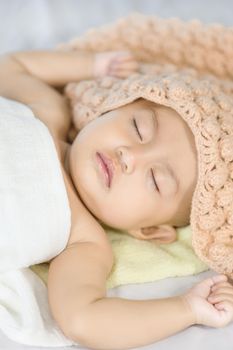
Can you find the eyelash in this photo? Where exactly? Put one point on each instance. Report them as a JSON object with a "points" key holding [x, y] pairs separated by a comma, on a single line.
{"points": [[136, 128], [155, 183], [138, 133]]}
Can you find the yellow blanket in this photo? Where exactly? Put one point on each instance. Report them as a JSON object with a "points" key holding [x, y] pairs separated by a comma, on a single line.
{"points": [[139, 261]]}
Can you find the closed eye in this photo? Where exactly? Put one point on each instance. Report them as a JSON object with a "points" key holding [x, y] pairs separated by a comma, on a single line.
{"points": [[153, 178], [136, 128]]}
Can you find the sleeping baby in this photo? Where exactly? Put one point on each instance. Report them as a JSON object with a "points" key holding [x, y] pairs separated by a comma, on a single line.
{"points": [[152, 152]]}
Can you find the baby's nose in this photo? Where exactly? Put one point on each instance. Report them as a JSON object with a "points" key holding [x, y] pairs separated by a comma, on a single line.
{"points": [[126, 159]]}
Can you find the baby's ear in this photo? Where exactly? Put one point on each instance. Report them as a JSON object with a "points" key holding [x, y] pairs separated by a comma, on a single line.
{"points": [[159, 234]]}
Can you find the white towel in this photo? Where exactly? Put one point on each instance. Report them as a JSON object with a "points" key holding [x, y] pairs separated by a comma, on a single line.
{"points": [[35, 221]]}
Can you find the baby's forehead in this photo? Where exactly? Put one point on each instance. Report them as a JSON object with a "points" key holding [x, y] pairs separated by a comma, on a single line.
{"points": [[142, 103]]}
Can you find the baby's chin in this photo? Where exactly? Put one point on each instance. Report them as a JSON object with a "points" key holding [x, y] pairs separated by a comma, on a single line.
{"points": [[111, 222], [96, 211]]}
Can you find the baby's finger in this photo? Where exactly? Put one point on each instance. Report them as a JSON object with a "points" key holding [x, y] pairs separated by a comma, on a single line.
{"points": [[211, 281], [220, 285], [121, 59], [122, 73], [221, 290], [223, 305], [124, 65], [123, 70], [123, 56], [213, 299], [219, 278]]}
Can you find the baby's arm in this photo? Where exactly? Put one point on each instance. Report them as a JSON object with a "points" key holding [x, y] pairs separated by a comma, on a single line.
{"points": [[77, 296], [58, 68], [29, 77]]}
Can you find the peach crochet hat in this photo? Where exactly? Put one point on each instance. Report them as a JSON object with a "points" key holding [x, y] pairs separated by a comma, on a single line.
{"points": [[193, 86]]}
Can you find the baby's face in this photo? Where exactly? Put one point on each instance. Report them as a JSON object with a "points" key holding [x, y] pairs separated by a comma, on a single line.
{"points": [[153, 160]]}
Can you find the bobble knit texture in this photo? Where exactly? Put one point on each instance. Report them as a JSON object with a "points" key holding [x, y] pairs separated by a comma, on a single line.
{"points": [[187, 67]]}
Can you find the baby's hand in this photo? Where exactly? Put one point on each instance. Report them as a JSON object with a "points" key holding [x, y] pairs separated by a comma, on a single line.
{"points": [[212, 301], [119, 64]]}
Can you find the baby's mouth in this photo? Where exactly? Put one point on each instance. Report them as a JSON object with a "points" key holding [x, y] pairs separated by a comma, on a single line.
{"points": [[106, 167]]}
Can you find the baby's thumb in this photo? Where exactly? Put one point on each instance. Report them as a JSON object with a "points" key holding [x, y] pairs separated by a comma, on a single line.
{"points": [[203, 288], [122, 54], [219, 278], [220, 306], [209, 282], [225, 309]]}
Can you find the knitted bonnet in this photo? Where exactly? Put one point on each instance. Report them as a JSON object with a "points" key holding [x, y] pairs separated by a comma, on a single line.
{"points": [[187, 67]]}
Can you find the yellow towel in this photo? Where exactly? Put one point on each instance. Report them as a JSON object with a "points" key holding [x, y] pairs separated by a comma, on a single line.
{"points": [[139, 261]]}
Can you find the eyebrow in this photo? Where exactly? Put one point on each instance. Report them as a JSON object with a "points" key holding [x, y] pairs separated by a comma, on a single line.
{"points": [[168, 166]]}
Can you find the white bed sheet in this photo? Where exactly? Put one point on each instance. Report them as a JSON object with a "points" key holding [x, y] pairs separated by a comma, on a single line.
{"points": [[33, 24]]}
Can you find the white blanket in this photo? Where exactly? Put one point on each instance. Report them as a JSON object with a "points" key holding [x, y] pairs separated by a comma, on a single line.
{"points": [[34, 224]]}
